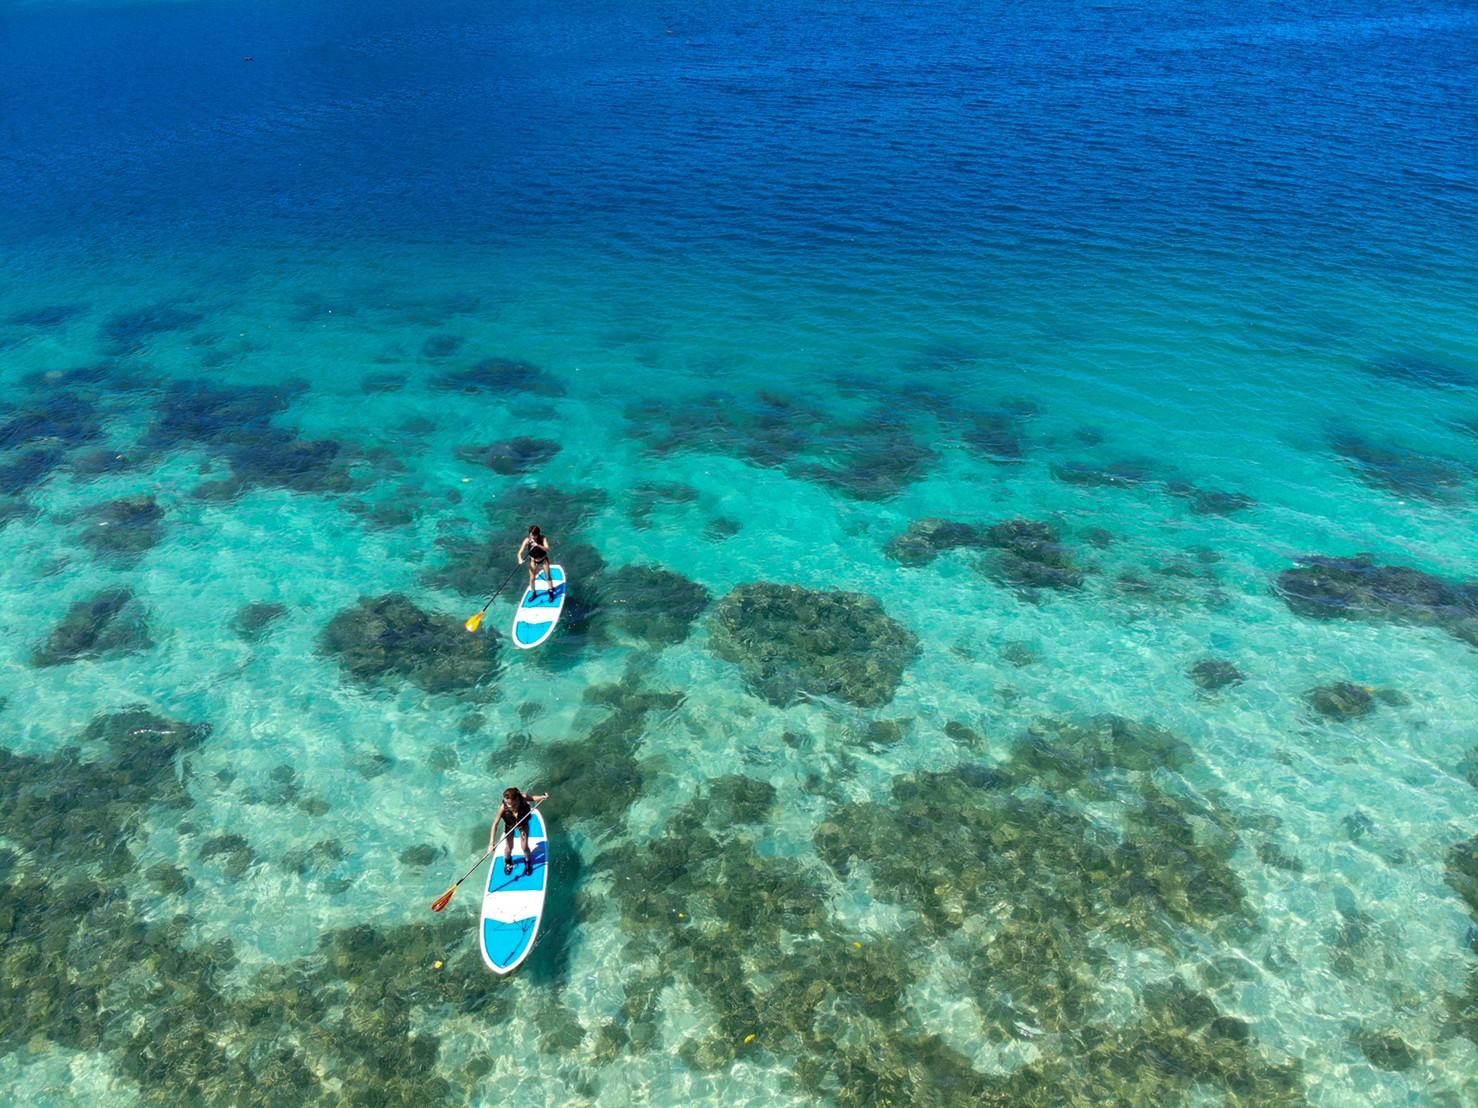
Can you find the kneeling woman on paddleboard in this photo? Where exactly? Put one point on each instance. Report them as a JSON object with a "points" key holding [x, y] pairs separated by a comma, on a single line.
{"points": [[536, 546]]}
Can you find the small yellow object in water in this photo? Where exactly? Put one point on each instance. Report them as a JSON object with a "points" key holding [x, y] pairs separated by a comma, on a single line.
{"points": [[857, 945], [749, 1038], [440, 964], [681, 916], [466, 480]]}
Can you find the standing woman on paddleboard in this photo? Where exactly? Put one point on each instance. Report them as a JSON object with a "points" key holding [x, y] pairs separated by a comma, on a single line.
{"points": [[536, 546], [514, 816]]}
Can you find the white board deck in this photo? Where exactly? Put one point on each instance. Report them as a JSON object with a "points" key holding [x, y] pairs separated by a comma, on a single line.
{"points": [[536, 616]]}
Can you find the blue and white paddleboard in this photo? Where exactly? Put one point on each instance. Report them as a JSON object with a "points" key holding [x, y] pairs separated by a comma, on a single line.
{"points": [[535, 619], [514, 902]]}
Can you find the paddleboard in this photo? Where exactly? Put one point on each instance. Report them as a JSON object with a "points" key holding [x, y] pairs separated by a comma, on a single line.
{"points": [[514, 902], [535, 619]]}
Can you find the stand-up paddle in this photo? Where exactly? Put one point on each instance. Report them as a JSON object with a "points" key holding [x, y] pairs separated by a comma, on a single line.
{"points": [[476, 621]]}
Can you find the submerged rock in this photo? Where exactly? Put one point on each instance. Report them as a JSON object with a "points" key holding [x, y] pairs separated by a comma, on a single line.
{"points": [[1027, 555], [47, 316], [602, 767], [1342, 701], [197, 412], [252, 622], [388, 638], [789, 642], [926, 539], [1400, 471], [1214, 674], [721, 528], [871, 458], [124, 528], [1219, 502], [500, 377], [1385, 1050], [646, 497], [1126, 473], [26, 470], [106, 624], [1361, 589], [1462, 872], [1416, 370], [130, 332], [511, 457], [63, 421], [441, 346], [649, 603]]}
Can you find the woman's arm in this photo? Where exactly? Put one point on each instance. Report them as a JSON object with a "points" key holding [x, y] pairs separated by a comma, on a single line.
{"points": [[521, 548]]}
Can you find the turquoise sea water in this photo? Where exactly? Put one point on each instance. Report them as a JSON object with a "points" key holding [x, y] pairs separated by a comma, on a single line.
{"points": [[1188, 290]]}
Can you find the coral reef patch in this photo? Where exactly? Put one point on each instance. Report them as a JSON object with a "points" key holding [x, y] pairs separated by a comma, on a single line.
{"points": [[1360, 588], [107, 624], [790, 642], [388, 639]]}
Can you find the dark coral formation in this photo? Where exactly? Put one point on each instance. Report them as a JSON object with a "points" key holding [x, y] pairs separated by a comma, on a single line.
{"points": [[789, 642], [124, 529], [511, 457], [107, 624], [1401, 471], [1080, 753], [1037, 888], [752, 935], [1215, 674], [926, 539], [871, 457], [721, 528], [646, 497], [602, 768], [996, 434], [62, 419], [47, 316], [1385, 1050], [1342, 701], [1028, 555], [1359, 588], [1462, 872], [1125, 473], [561, 513], [202, 413], [252, 622], [648, 603], [135, 987], [1133, 473], [129, 332], [500, 377], [1417, 370], [1211, 502], [29, 469], [441, 346], [237, 424], [387, 639]]}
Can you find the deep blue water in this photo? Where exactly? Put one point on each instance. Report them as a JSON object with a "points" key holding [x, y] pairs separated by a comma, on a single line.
{"points": [[1113, 792]]}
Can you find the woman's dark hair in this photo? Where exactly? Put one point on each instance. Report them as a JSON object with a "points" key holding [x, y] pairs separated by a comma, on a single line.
{"points": [[511, 794], [535, 532]]}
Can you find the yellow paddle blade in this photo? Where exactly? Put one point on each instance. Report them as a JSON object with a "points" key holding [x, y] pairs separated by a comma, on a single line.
{"points": [[474, 623]]}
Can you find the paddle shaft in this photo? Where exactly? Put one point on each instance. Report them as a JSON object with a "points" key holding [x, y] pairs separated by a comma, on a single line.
{"points": [[500, 588]]}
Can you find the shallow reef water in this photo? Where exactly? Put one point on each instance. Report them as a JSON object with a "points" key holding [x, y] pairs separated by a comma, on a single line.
{"points": [[1015, 468]]}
